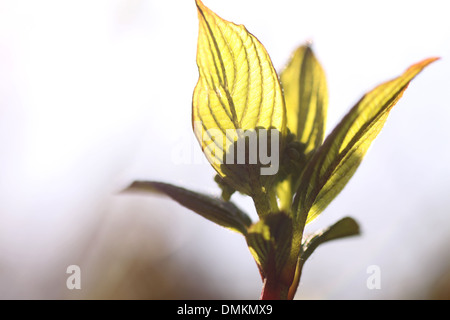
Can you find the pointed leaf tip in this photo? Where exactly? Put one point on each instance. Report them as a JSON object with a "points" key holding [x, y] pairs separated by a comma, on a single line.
{"points": [[336, 160], [346, 227], [306, 97], [224, 213], [237, 94]]}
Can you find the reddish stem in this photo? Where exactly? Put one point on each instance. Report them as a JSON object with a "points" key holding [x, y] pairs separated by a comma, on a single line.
{"points": [[273, 290]]}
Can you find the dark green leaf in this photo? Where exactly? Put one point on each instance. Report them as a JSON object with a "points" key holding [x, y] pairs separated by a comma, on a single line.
{"points": [[223, 213], [345, 227]]}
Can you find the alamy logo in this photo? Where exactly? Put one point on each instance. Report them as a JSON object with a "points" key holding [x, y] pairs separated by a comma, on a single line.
{"points": [[74, 280], [233, 146], [374, 280]]}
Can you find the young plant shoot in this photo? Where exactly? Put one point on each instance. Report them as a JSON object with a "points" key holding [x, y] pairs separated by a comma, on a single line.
{"points": [[264, 134]]}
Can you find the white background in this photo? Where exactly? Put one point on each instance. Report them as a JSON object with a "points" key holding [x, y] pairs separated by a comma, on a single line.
{"points": [[95, 94]]}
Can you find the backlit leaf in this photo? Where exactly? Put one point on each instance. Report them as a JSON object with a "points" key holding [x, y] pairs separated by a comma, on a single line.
{"points": [[237, 89], [334, 163], [306, 96]]}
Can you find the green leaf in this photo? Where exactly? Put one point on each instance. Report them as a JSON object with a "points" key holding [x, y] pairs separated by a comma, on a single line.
{"points": [[335, 162], [306, 96], [345, 227], [237, 90], [269, 240], [224, 213]]}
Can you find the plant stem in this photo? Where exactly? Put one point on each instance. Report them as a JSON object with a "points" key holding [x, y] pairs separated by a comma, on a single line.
{"points": [[285, 195], [265, 202], [273, 201], [296, 280], [274, 290]]}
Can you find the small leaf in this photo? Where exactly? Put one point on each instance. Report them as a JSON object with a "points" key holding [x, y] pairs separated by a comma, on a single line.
{"points": [[345, 227], [306, 95], [237, 90], [335, 162], [224, 213], [269, 241]]}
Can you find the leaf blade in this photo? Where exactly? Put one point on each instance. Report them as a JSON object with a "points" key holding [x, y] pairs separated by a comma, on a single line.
{"points": [[306, 94], [223, 213], [346, 227], [335, 162], [306, 97], [238, 89]]}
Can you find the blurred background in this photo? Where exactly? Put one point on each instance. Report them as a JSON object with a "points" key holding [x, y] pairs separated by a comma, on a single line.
{"points": [[96, 94]]}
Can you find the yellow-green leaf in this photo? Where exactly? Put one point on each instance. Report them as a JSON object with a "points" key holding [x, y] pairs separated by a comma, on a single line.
{"points": [[306, 97], [238, 89], [334, 163]]}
